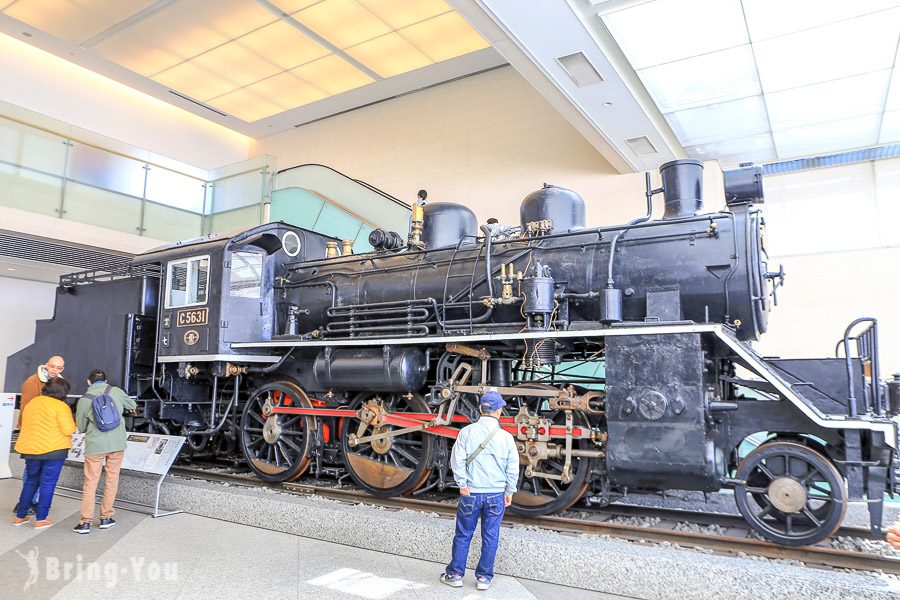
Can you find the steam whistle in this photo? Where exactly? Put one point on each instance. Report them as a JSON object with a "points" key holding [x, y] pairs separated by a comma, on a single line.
{"points": [[414, 239]]}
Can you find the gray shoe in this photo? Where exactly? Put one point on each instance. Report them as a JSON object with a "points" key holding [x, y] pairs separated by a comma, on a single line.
{"points": [[482, 583], [451, 580]]}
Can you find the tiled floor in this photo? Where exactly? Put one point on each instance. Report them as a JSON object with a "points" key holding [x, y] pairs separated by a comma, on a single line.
{"points": [[186, 556]]}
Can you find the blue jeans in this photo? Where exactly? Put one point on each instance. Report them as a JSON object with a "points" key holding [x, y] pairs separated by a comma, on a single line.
{"points": [[490, 508], [43, 475]]}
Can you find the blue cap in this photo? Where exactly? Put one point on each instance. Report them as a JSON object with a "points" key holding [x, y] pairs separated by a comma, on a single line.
{"points": [[492, 401]]}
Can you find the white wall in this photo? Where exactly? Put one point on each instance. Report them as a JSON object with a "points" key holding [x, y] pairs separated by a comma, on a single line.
{"points": [[83, 100], [835, 230], [21, 304], [485, 141]]}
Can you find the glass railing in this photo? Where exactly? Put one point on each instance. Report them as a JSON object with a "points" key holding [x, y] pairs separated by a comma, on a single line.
{"points": [[321, 199], [46, 173]]}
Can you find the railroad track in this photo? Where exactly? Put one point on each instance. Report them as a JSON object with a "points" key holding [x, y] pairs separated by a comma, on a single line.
{"points": [[734, 541]]}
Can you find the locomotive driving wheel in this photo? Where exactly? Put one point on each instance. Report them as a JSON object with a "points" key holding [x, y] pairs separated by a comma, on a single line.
{"points": [[276, 446], [386, 466], [793, 495], [550, 487]]}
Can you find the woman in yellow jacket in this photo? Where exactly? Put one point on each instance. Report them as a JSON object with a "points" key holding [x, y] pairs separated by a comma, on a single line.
{"points": [[44, 442]]}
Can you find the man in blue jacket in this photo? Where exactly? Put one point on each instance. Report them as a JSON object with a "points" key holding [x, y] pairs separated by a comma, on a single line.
{"points": [[485, 466]]}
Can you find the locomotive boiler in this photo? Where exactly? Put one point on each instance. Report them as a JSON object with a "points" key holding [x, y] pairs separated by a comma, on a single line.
{"points": [[624, 353]]}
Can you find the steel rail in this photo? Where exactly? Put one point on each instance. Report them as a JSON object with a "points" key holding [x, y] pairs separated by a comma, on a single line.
{"points": [[810, 555]]}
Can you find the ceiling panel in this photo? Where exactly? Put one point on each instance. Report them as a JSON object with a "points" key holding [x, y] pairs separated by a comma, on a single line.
{"points": [[195, 81], [175, 29], [661, 31], [292, 6], [135, 53], [737, 118], [344, 23], [389, 55], [714, 77], [232, 18], [830, 101], [332, 74], [772, 18], [401, 14], [893, 97], [825, 138], [59, 18], [283, 45], [756, 148], [237, 63], [816, 78], [246, 105], [890, 128], [287, 90], [834, 51], [289, 55], [444, 37]]}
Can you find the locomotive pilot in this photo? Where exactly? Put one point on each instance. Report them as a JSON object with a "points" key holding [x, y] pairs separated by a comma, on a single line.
{"points": [[485, 466]]}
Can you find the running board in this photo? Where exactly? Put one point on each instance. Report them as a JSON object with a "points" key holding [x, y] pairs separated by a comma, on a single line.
{"points": [[750, 358], [758, 365]]}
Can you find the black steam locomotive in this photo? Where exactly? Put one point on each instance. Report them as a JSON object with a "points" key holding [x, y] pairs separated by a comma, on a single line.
{"points": [[622, 351]]}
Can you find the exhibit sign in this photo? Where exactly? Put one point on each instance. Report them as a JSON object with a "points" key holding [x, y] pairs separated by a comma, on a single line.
{"points": [[144, 452], [7, 412]]}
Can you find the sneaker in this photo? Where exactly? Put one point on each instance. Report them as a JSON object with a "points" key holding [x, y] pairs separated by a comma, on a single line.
{"points": [[17, 521], [107, 523], [451, 580], [32, 510], [43, 524], [482, 583], [82, 528]]}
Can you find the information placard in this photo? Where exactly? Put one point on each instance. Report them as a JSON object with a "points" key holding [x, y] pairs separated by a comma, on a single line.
{"points": [[7, 411], [145, 452]]}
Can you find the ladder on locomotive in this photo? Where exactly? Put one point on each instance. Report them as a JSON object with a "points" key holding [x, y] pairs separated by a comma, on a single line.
{"points": [[448, 300]]}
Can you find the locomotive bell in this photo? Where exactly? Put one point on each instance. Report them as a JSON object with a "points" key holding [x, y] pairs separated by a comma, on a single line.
{"points": [[682, 187]]}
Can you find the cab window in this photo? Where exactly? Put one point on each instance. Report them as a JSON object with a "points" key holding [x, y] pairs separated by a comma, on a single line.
{"points": [[187, 282], [246, 274]]}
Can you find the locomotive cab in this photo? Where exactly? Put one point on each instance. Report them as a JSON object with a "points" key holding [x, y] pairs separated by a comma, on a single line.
{"points": [[218, 290]]}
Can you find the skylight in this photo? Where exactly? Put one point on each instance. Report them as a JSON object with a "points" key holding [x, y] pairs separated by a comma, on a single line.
{"points": [[767, 80], [254, 59]]}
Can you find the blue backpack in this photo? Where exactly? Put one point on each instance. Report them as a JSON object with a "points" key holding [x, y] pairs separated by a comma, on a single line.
{"points": [[106, 411]]}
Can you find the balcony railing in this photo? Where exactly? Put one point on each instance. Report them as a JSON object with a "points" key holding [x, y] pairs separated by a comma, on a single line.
{"points": [[50, 174]]}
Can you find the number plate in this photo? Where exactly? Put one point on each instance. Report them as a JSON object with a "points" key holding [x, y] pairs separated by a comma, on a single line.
{"points": [[195, 316]]}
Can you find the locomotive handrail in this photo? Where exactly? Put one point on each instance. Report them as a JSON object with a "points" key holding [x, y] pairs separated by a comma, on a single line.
{"points": [[124, 270], [866, 349]]}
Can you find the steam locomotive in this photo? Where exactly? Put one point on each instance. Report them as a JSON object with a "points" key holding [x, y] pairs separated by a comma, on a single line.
{"points": [[623, 352]]}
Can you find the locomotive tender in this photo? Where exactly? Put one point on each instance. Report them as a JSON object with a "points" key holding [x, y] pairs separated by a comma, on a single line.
{"points": [[623, 353]]}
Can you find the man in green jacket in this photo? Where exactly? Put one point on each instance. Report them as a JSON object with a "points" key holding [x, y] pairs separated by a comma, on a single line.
{"points": [[101, 449]]}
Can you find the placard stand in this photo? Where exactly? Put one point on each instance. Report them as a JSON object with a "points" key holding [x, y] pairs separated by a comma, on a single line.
{"points": [[7, 411], [145, 453]]}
